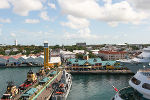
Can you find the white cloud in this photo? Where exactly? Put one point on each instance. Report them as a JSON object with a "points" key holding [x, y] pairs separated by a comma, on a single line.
{"points": [[121, 12], [32, 21], [140, 4], [7, 20], [81, 34], [76, 22], [52, 5], [13, 34], [23, 7], [44, 16], [4, 4]]}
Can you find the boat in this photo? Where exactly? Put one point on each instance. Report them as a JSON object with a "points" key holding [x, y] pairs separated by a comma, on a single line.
{"points": [[142, 61], [11, 91], [139, 88], [62, 88], [31, 79]]}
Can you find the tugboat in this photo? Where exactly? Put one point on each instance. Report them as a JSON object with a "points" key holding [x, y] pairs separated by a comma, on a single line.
{"points": [[62, 88], [11, 92], [139, 87], [31, 79]]}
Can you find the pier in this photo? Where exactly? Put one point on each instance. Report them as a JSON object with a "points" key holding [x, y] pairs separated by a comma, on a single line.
{"points": [[101, 72]]}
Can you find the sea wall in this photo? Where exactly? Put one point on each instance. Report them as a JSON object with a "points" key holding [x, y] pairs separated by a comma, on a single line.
{"points": [[101, 72]]}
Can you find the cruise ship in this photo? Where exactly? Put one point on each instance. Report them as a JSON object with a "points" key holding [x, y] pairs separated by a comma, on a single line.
{"points": [[62, 88], [139, 87], [142, 61]]}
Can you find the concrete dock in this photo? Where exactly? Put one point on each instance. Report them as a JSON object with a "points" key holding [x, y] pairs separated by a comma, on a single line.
{"points": [[101, 72]]}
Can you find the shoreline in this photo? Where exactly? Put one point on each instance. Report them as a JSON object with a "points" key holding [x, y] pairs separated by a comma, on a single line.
{"points": [[101, 72]]}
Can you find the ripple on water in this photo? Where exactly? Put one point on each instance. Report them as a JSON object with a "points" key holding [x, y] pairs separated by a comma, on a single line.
{"points": [[96, 87]]}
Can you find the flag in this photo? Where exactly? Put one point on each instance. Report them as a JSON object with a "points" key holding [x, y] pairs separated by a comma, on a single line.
{"points": [[115, 88]]}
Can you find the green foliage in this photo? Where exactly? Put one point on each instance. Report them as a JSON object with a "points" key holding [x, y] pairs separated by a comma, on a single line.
{"points": [[134, 47], [74, 47], [91, 55], [28, 49], [79, 56]]}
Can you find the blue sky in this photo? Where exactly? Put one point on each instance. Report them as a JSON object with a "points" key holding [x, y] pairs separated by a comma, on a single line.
{"points": [[70, 21]]}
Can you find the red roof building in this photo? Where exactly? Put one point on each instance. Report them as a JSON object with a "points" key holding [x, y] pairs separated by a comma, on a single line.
{"points": [[113, 55]]}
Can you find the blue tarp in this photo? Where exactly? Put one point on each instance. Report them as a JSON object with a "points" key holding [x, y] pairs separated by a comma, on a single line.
{"points": [[44, 80], [30, 92]]}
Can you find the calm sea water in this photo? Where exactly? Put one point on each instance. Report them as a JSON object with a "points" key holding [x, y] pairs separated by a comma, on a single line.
{"points": [[84, 87], [96, 87]]}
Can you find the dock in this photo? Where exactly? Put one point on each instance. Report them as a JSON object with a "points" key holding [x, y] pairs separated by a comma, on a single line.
{"points": [[101, 72]]}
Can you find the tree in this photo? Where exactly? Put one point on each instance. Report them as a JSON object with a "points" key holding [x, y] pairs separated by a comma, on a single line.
{"points": [[79, 56]]}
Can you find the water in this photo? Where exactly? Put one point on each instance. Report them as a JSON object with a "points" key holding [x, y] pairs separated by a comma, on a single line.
{"points": [[84, 87], [96, 87], [18, 75]]}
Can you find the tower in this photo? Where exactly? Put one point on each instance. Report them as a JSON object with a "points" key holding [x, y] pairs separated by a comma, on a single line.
{"points": [[46, 54], [16, 42]]}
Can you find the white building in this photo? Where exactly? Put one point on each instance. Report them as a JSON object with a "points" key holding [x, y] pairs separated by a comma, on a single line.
{"points": [[67, 55], [16, 42], [39, 60], [78, 51], [95, 52], [113, 55], [55, 60]]}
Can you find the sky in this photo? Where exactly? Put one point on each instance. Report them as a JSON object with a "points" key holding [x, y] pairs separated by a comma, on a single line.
{"points": [[67, 22]]}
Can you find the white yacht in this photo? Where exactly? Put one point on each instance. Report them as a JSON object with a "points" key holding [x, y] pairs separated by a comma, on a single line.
{"points": [[139, 87], [140, 62]]}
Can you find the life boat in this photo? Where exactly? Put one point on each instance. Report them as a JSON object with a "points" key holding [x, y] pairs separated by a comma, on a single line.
{"points": [[59, 92]]}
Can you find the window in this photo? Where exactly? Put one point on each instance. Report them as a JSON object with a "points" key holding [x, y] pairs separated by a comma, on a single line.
{"points": [[135, 81], [146, 86]]}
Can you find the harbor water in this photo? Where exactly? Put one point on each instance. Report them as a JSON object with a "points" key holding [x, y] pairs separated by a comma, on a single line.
{"points": [[84, 86]]}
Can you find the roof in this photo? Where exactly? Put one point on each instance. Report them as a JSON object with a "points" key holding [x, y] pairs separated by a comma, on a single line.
{"points": [[112, 52], [55, 59], [30, 92], [52, 73], [5, 57], [91, 61], [44, 80]]}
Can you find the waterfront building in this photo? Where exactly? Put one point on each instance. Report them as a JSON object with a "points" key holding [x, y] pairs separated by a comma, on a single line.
{"points": [[12, 61], [22, 59], [3, 61], [87, 62], [55, 61], [113, 55], [31, 59], [39, 60]]}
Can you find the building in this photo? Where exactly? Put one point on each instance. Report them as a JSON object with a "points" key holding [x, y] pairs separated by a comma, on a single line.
{"points": [[113, 55], [78, 51], [81, 44], [67, 55], [89, 63], [55, 61], [16, 42]]}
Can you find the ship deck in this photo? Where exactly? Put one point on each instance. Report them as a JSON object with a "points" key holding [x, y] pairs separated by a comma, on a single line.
{"points": [[130, 93], [44, 91]]}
